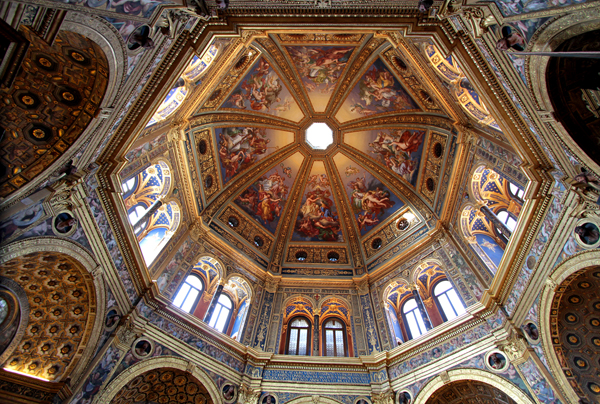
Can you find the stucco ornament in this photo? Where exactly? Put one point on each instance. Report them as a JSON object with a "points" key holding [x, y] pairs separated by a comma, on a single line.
{"points": [[515, 348], [248, 395], [387, 397]]}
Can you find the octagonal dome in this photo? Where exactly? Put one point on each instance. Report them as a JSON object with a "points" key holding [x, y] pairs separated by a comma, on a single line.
{"points": [[318, 155]]}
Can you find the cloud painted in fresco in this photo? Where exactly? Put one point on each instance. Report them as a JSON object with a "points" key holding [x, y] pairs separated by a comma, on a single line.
{"points": [[370, 199]]}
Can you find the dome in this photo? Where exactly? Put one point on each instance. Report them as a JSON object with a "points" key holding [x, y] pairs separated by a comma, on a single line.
{"points": [[273, 202], [337, 210]]}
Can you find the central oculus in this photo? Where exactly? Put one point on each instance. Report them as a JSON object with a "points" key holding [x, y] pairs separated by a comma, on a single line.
{"points": [[319, 136]]}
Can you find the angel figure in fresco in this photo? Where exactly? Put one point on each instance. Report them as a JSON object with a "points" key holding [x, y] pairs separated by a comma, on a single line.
{"points": [[350, 171], [369, 202], [272, 192], [366, 219], [490, 246], [395, 149], [260, 91], [239, 148], [317, 217], [320, 67], [377, 85]]}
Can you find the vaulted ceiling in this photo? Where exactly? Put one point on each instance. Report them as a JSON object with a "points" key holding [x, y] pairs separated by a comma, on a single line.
{"points": [[297, 208]]}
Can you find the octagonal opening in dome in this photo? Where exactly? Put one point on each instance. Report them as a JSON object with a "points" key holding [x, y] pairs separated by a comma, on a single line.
{"points": [[319, 136]]}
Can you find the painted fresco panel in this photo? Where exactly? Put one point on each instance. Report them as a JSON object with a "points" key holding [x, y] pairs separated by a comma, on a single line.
{"points": [[240, 148], [261, 90], [370, 200], [377, 91], [514, 7], [399, 149], [317, 218], [490, 247], [320, 67], [265, 199]]}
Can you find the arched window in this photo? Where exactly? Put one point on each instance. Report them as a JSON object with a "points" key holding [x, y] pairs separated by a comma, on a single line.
{"points": [[220, 317], [516, 191], [298, 337], [136, 214], [128, 185], [188, 294], [413, 317], [507, 219], [448, 300], [334, 338]]}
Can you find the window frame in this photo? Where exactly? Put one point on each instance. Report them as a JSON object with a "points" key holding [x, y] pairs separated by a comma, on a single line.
{"points": [[217, 304], [344, 337], [439, 304], [193, 307], [405, 320], [308, 338], [509, 215]]}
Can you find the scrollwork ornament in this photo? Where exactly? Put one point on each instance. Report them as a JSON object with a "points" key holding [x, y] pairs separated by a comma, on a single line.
{"points": [[126, 335], [515, 348], [248, 395], [387, 397], [271, 284], [197, 231]]}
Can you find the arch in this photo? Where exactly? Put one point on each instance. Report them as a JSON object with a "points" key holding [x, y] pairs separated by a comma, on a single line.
{"points": [[241, 293], [561, 273], [447, 68], [151, 185], [483, 376], [334, 307], [72, 75], [479, 233], [395, 295], [427, 276], [294, 306], [159, 229], [211, 270], [92, 331], [547, 39], [107, 37], [103, 34], [144, 366], [311, 400], [21, 297]]}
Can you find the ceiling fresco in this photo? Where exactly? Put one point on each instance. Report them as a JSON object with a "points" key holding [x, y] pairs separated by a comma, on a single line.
{"points": [[376, 92], [317, 218], [239, 148], [262, 90], [321, 211], [320, 68], [371, 201], [399, 149]]}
